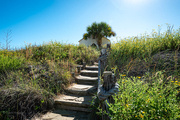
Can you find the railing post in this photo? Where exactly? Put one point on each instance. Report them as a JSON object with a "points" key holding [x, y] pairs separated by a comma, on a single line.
{"points": [[84, 65], [109, 86], [99, 75], [107, 89], [79, 68]]}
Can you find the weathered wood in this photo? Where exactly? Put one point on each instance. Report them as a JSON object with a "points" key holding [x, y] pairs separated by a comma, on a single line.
{"points": [[79, 96], [109, 86], [99, 74], [86, 80], [69, 102], [79, 68], [95, 68], [109, 80], [84, 65], [78, 89], [102, 58], [89, 73]]}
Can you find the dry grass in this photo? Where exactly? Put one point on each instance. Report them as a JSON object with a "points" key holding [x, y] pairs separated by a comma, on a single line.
{"points": [[31, 77]]}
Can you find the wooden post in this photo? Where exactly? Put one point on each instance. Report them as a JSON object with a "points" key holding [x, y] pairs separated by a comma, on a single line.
{"points": [[99, 74], [79, 68], [106, 80], [84, 65]]}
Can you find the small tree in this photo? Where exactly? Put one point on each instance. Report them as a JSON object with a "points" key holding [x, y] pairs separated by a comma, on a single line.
{"points": [[99, 30]]}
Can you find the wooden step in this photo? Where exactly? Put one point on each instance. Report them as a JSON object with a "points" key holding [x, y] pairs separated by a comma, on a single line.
{"points": [[78, 89], [86, 80], [63, 115], [89, 73], [77, 103], [96, 63], [94, 68]]}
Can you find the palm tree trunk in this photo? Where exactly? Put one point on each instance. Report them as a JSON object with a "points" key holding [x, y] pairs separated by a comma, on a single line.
{"points": [[99, 42]]}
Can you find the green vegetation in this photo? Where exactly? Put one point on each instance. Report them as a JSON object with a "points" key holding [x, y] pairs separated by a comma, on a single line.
{"points": [[31, 77], [156, 99], [148, 70], [99, 30], [10, 62], [135, 56]]}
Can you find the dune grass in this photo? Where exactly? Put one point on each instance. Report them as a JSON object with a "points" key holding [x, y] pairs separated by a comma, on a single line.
{"points": [[133, 51], [148, 70], [31, 77], [10, 62]]}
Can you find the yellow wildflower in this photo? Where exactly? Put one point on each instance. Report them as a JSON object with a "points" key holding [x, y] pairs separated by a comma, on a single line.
{"points": [[176, 81], [148, 100], [113, 68], [172, 81], [143, 112], [141, 116], [136, 116], [139, 77], [123, 75], [127, 105]]}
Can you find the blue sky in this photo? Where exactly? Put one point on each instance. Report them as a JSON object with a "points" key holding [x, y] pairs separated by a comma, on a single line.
{"points": [[41, 21]]}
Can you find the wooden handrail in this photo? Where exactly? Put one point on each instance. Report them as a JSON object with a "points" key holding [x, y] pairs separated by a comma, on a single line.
{"points": [[109, 86]]}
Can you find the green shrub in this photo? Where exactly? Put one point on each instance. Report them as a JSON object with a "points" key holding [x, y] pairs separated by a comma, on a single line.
{"points": [[149, 98]]}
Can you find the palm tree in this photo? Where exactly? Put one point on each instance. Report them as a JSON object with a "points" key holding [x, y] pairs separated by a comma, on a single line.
{"points": [[98, 30]]}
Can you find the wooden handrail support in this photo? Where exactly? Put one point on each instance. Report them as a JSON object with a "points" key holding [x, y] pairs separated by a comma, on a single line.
{"points": [[109, 86], [99, 76]]}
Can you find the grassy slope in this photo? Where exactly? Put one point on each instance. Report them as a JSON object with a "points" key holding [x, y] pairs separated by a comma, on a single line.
{"points": [[148, 74], [145, 50], [29, 78]]}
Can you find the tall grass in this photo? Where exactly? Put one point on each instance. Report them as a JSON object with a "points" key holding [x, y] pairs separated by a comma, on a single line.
{"points": [[31, 77], [8, 62], [141, 50], [148, 69], [58, 52]]}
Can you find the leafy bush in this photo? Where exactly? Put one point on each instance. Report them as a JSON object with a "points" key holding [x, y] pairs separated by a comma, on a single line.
{"points": [[146, 98]]}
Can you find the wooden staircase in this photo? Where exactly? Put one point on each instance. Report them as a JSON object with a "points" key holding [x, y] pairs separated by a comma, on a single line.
{"points": [[75, 104], [78, 97]]}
